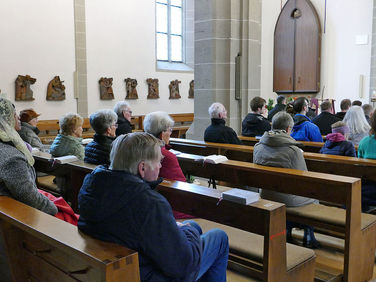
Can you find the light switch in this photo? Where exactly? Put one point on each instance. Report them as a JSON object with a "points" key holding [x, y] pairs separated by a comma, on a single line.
{"points": [[361, 39]]}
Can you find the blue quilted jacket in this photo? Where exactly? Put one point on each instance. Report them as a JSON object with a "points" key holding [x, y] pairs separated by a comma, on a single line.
{"points": [[98, 150]]}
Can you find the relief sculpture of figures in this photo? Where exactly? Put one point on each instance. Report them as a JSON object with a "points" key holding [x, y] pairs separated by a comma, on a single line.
{"points": [[56, 90], [105, 88], [130, 86], [191, 93], [153, 88], [23, 90], [174, 89]]}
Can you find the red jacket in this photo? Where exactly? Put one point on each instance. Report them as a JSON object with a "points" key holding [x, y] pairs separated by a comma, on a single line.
{"points": [[170, 166]]}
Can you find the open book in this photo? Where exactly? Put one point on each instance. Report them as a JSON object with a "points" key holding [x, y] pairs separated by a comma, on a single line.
{"points": [[175, 152], [215, 159], [240, 196], [65, 159], [86, 141]]}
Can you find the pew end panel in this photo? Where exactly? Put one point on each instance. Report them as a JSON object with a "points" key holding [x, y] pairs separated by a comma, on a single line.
{"points": [[44, 248], [265, 218]]}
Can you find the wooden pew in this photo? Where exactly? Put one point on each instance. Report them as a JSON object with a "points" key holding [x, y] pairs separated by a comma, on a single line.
{"points": [[340, 165], [270, 216], [192, 199], [359, 229], [268, 257], [74, 173], [41, 247], [50, 128], [307, 146], [182, 123], [359, 232]]}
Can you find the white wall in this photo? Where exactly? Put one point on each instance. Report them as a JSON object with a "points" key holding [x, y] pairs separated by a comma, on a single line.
{"points": [[121, 44], [37, 38], [342, 60]]}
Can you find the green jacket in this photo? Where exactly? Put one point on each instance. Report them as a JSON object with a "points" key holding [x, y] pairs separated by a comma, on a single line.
{"points": [[64, 145]]}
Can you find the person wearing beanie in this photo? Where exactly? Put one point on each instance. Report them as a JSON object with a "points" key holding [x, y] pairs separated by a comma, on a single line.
{"points": [[29, 131], [336, 142]]}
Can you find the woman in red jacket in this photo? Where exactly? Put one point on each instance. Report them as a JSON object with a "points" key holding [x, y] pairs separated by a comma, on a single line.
{"points": [[160, 125]]}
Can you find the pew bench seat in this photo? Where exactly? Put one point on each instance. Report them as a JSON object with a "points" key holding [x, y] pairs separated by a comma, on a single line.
{"points": [[328, 215], [251, 246]]}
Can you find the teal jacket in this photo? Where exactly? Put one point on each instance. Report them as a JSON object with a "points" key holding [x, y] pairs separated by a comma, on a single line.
{"points": [[367, 148], [64, 145]]}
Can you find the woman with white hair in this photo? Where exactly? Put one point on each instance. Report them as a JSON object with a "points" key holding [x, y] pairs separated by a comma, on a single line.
{"points": [[17, 174], [218, 132], [124, 113], [357, 123], [160, 124], [104, 124]]}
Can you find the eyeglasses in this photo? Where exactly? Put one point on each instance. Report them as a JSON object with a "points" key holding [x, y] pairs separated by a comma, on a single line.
{"points": [[115, 125], [129, 111]]}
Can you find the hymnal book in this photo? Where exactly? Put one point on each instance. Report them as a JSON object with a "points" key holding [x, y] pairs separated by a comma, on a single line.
{"points": [[215, 159], [240, 196], [65, 159], [86, 141], [35, 151], [175, 152]]}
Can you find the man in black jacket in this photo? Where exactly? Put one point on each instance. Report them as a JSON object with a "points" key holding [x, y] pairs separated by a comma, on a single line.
{"points": [[218, 132], [325, 119], [255, 124], [345, 106], [124, 112], [281, 106]]}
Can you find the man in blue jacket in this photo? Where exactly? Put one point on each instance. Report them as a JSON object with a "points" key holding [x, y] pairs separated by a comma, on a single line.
{"points": [[304, 129], [119, 204]]}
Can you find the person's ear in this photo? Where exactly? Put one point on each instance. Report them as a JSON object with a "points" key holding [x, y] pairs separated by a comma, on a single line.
{"points": [[141, 169]]}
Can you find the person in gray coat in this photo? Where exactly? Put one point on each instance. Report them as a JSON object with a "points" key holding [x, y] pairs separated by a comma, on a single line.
{"points": [[17, 175], [29, 131], [278, 149]]}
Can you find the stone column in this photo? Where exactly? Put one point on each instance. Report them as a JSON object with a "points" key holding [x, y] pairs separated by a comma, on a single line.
{"points": [[224, 29], [372, 86], [80, 76]]}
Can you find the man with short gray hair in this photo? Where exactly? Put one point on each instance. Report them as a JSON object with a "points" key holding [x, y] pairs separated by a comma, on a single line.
{"points": [[124, 112], [278, 149], [325, 119], [218, 132], [368, 111], [280, 106], [119, 204]]}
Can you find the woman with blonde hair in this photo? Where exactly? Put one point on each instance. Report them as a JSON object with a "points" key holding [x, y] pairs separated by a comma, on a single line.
{"points": [[357, 123], [69, 141]]}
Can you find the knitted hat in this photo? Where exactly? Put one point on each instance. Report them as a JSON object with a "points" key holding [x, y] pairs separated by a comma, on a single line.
{"points": [[342, 129], [27, 115]]}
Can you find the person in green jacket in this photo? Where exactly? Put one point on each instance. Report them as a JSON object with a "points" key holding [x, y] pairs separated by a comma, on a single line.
{"points": [[69, 141]]}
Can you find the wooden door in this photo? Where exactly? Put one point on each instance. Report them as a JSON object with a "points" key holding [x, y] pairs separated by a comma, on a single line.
{"points": [[297, 42], [284, 49], [307, 49]]}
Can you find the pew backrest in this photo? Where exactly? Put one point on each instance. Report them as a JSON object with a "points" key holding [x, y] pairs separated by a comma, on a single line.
{"points": [[44, 248]]}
